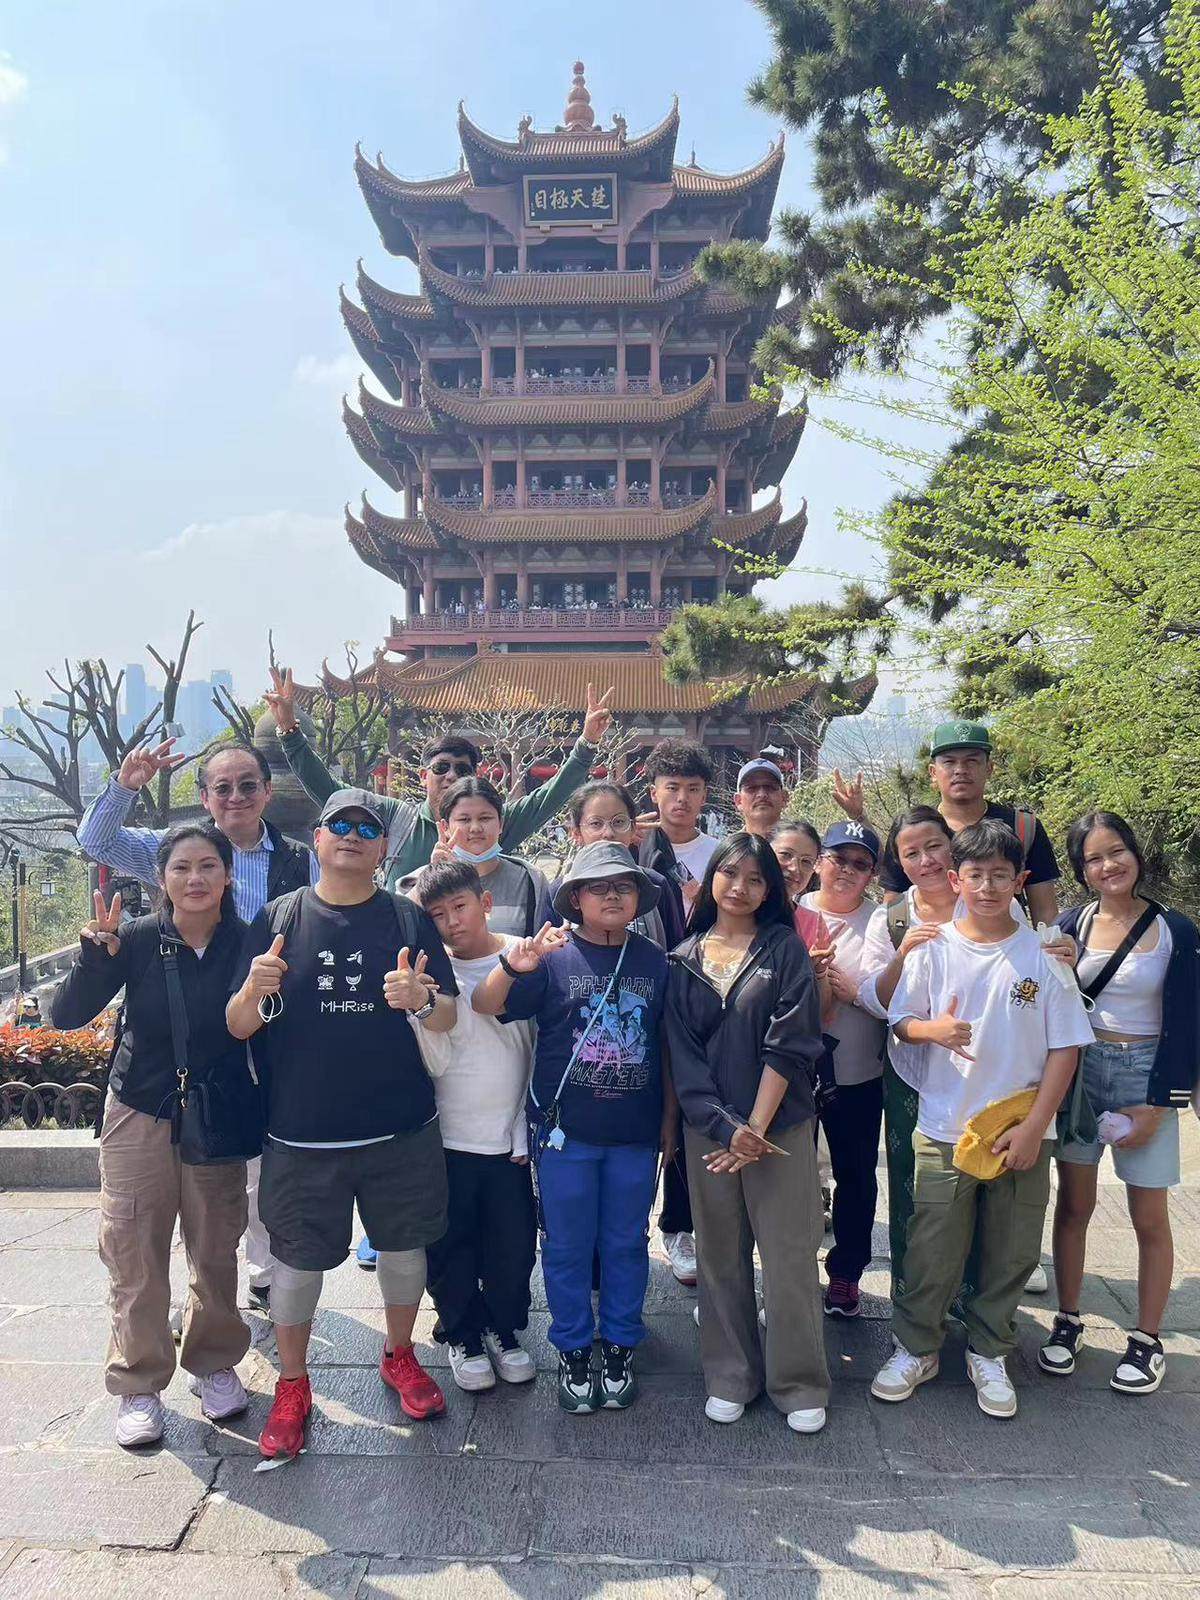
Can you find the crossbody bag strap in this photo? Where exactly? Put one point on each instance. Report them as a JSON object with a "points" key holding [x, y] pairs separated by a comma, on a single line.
{"points": [[587, 1028], [1113, 965], [177, 1011]]}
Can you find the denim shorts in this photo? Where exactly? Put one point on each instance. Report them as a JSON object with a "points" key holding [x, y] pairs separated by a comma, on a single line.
{"points": [[1116, 1076]]}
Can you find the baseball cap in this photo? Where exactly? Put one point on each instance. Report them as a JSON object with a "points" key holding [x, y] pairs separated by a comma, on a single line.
{"points": [[960, 736], [851, 832], [760, 764], [352, 800]]}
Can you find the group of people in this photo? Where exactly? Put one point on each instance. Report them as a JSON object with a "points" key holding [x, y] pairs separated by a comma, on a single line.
{"points": [[412, 1021]]}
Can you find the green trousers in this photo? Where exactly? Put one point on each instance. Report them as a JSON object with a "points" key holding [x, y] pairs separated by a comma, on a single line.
{"points": [[950, 1209], [900, 1104]]}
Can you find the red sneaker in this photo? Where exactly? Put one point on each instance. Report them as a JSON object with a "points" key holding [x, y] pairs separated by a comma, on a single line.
{"points": [[420, 1397], [284, 1432], [841, 1298]]}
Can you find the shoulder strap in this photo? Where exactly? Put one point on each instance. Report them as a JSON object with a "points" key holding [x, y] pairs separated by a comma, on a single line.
{"points": [[282, 913], [530, 900], [899, 920], [1025, 827], [1113, 965]]}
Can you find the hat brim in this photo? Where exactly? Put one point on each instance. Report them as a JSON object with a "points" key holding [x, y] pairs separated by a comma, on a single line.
{"points": [[959, 744], [647, 890]]}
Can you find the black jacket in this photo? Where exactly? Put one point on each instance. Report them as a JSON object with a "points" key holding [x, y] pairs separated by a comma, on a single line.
{"points": [[143, 1070], [770, 1018], [290, 864], [657, 856], [1176, 1068]]}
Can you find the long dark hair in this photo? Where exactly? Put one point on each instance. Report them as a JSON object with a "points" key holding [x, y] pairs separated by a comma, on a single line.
{"points": [[471, 789], [776, 908], [1077, 839], [592, 790], [208, 834]]}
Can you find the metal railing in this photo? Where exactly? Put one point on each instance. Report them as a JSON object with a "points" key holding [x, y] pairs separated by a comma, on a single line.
{"points": [[616, 619]]}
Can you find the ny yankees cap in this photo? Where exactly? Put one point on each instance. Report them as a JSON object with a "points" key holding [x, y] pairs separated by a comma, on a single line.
{"points": [[852, 832], [351, 800], [960, 736]]}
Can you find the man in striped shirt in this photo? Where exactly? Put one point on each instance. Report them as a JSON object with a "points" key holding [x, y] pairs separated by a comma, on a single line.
{"points": [[235, 789]]}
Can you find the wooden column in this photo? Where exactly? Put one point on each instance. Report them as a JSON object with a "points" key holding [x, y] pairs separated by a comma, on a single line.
{"points": [[622, 471], [622, 379], [428, 591], [655, 478], [520, 360], [426, 480], [410, 496], [489, 579], [720, 373], [722, 572], [522, 579], [656, 360], [656, 571], [521, 491], [489, 251], [487, 472], [654, 254], [622, 572], [485, 367], [722, 467]]}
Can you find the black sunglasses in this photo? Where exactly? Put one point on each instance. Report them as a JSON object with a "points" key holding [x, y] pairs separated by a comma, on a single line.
{"points": [[441, 768], [342, 828]]}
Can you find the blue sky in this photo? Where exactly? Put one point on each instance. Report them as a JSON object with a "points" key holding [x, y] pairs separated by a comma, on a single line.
{"points": [[178, 209]]}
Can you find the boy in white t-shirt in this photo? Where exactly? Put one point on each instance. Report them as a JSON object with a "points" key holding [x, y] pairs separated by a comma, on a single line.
{"points": [[478, 1272], [984, 1000]]}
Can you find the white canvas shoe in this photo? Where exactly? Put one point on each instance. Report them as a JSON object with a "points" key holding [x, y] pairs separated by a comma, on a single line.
{"points": [[901, 1374], [512, 1362], [139, 1420], [811, 1421], [221, 1394], [1037, 1282], [993, 1386], [722, 1410], [471, 1368], [681, 1255]]}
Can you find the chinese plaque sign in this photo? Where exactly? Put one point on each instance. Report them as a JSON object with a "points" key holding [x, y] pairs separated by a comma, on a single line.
{"points": [[578, 198]]}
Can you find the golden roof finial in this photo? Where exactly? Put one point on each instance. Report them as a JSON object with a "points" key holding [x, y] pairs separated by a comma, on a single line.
{"points": [[579, 116]]}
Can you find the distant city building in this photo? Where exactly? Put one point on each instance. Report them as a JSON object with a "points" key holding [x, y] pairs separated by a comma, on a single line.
{"points": [[136, 695]]}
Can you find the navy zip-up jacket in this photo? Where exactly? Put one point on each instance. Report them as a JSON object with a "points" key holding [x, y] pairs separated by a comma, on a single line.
{"points": [[718, 1047], [1176, 1068]]}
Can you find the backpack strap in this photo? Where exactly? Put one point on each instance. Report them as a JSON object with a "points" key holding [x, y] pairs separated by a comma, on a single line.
{"points": [[899, 920], [1025, 828]]}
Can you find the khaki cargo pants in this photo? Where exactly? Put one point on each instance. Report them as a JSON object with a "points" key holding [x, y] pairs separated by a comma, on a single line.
{"points": [[1010, 1211], [144, 1188]]}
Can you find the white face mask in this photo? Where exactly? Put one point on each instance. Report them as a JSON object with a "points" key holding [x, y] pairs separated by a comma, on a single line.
{"points": [[460, 854]]}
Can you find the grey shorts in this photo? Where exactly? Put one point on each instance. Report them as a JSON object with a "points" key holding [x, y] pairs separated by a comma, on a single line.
{"points": [[1116, 1076], [306, 1198]]}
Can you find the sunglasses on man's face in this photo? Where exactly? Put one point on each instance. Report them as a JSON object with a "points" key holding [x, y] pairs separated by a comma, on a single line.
{"points": [[243, 789], [342, 828], [461, 769]]}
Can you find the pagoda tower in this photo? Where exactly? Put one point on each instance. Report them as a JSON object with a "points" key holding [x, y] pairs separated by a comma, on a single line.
{"points": [[569, 427]]}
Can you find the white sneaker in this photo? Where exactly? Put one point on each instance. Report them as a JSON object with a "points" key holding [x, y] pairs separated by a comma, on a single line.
{"points": [[722, 1410], [471, 1368], [681, 1255], [221, 1394], [696, 1313], [1037, 1282], [807, 1421], [512, 1363], [762, 1316], [902, 1373], [139, 1420], [993, 1386], [176, 1323]]}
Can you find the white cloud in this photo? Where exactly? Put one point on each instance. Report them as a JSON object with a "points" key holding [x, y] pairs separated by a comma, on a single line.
{"points": [[13, 84], [341, 373]]}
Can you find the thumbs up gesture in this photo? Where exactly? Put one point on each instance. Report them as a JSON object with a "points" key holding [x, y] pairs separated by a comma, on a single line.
{"points": [[102, 929], [408, 987], [266, 971], [951, 1031]]}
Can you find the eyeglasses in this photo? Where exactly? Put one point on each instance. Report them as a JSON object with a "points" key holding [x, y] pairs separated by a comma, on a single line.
{"points": [[439, 769], [342, 828], [851, 863], [607, 824], [619, 887], [245, 788]]}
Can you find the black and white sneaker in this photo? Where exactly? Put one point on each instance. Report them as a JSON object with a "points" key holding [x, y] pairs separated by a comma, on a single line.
{"points": [[260, 1298], [1058, 1353], [1142, 1367], [578, 1387], [618, 1386]]}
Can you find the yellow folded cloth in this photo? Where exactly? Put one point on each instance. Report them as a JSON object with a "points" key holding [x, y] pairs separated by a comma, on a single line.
{"points": [[973, 1152]]}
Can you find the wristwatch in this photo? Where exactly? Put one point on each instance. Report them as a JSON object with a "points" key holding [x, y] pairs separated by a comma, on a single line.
{"points": [[425, 1010]]}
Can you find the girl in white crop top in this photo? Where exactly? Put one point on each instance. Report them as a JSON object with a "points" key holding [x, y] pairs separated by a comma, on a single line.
{"points": [[1130, 1004]]}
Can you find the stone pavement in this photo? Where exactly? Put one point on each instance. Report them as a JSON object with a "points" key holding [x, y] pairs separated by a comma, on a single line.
{"points": [[1086, 1491]]}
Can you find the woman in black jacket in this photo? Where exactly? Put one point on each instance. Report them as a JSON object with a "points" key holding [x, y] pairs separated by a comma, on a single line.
{"points": [[1142, 1067], [144, 1186], [744, 1035]]}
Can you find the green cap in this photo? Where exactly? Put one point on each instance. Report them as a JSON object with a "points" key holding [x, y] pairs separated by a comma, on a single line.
{"points": [[960, 736]]}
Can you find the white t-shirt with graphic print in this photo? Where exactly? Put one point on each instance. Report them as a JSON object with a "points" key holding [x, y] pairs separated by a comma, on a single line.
{"points": [[1018, 1012]]}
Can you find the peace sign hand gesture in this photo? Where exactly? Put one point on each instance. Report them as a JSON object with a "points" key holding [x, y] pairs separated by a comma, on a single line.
{"points": [[407, 987], [597, 717], [144, 763], [282, 700], [102, 929], [448, 838], [526, 954]]}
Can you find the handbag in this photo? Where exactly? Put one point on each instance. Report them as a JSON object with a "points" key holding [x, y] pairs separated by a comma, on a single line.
{"points": [[217, 1118]]}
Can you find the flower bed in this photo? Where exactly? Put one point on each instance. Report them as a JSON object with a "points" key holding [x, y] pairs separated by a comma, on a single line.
{"points": [[49, 1077]]}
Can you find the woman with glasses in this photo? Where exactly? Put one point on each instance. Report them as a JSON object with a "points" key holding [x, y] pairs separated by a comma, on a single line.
{"points": [[851, 1104], [145, 1186], [604, 811]]}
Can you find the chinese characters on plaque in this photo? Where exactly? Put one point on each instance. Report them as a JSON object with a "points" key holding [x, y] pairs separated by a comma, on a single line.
{"points": [[579, 198]]}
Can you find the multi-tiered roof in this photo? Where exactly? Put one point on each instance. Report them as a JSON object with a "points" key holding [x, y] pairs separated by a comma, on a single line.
{"points": [[569, 415]]}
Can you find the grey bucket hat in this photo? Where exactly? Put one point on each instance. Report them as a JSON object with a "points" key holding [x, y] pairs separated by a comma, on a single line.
{"points": [[603, 860]]}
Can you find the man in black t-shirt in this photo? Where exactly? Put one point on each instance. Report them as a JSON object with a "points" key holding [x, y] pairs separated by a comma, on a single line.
{"points": [[340, 972], [960, 765]]}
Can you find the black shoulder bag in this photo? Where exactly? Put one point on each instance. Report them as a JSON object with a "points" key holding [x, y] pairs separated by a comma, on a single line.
{"points": [[216, 1118]]}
